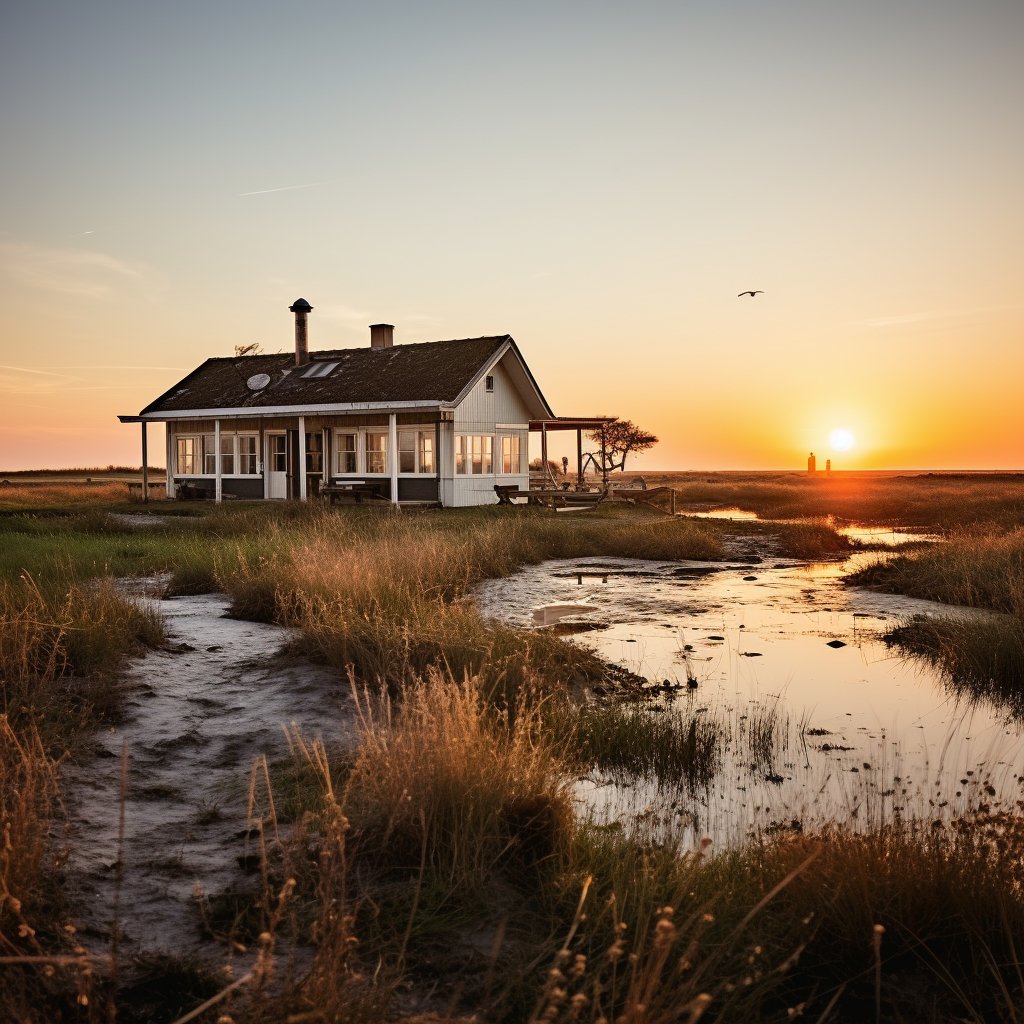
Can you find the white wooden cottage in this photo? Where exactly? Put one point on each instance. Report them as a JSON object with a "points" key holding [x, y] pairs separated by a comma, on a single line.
{"points": [[440, 421]]}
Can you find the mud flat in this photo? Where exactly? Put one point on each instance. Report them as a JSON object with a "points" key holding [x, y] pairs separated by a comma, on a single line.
{"points": [[201, 712]]}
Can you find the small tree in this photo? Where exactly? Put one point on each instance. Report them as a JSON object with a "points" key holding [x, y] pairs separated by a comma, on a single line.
{"points": [[617, 441]]}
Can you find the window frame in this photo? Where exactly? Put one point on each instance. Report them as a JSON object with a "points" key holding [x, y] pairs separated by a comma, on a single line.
{"points": [[514, 441], [229, 439], [475, 449], [338, 451], [420, 433], [365, 435]]}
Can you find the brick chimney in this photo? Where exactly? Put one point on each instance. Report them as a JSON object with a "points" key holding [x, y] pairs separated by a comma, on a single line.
{"points": [[300, 307], [382, 335]]}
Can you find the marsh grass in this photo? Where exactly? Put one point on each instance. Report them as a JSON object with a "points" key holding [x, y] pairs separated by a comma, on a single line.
{"points": [[632, 739], [29, 797], [972, 568], [454, 815], [41, 960], [64, 495], [980, 658], [388, 595], [444, 776], [930, 501], [61, 648], [877, 922]]}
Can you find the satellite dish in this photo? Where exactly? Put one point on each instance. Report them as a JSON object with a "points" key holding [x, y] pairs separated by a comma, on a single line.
{"points": [[258, 381]]}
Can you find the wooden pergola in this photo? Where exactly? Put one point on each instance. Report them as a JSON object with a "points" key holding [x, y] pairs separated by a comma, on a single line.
{"points": [[577, 423]]}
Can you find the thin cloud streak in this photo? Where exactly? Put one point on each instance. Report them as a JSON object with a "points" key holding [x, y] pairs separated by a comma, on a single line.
{"points": [[106, 366], [933, 316], [283, 188], [27, 380], [82, 273]]}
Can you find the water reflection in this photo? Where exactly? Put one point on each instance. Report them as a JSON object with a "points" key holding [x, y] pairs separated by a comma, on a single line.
{"points": [[868, 734]]}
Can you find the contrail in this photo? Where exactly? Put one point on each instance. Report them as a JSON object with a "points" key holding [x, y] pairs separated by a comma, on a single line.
{"points": [[283, 188]]}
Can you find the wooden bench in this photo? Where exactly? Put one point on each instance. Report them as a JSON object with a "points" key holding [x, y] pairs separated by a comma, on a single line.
{"points": [[506, 492], [357, 490]]}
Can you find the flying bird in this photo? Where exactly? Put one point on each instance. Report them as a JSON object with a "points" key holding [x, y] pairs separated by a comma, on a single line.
{"points": [[750, 293]]}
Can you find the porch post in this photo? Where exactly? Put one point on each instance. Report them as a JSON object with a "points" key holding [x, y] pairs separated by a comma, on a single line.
{"points": [[169, 445], [302, 458], [218, 490], [262, 457], [393, 454], [579, 458], [544, 450], [145, 463]]}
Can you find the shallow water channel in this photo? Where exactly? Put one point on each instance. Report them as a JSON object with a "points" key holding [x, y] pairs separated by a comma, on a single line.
{"points": [[780, 649], [200, 712]]}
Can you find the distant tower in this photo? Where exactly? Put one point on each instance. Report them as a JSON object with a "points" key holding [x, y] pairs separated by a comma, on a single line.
{"points": [[811, 463], [828, 465]]}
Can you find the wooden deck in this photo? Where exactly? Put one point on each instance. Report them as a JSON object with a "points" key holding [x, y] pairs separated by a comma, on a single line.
{"points": [[552, 497]]}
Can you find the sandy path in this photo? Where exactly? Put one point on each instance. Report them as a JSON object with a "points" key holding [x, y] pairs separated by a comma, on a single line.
{"points": [[200, 713]]}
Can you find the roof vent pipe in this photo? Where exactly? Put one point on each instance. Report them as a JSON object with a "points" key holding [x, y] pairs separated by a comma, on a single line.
{"points": [[300, 307], [382, 335]]}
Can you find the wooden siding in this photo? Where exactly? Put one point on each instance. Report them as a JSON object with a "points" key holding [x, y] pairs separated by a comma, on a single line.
{"points": [[480, 413]]}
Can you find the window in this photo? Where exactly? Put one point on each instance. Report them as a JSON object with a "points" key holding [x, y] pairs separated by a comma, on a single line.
{"points": [[247, 461], [209, 454], [347, 448], [376, 452], [278, 453], [318, 369], [197, 456], [510, 462], [187, 455], [227, 454], [407, 451], [315, 453], [473, 454], [426, 449], [416, 451], [488, 383]]}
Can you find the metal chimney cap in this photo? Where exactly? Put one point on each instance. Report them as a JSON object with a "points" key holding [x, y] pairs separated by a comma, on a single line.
{"points": [[392, 326], [300, 306]]}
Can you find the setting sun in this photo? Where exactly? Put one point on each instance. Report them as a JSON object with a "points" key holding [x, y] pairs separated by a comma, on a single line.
{"points": [[841, 439]]}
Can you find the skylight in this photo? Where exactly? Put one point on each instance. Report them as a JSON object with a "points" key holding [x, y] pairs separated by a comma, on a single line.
{"points": [[319, 369]]}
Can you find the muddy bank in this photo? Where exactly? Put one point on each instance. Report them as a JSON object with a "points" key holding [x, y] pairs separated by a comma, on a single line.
{"points": [[201, 711]]}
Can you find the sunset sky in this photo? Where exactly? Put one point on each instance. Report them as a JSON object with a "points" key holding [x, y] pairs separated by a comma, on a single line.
{"points": [[597, 180]]}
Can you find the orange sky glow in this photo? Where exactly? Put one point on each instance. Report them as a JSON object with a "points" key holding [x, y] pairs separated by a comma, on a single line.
{"points": [[597, 180]]}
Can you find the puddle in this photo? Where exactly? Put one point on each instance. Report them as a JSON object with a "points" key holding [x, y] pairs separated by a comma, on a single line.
{"points": [[722, 513], [880, 536], [883, 734], [885, 536], [200, 712]]}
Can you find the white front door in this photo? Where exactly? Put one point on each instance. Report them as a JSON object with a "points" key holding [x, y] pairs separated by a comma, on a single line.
{"points": [[277, 465]]}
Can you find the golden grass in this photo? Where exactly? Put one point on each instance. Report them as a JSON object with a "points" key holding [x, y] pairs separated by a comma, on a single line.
{"points": [[979, 570], [454, 813], [69, 496], [929, 501], [387, 594], [29, 796], [444, 776], [49, 635]]}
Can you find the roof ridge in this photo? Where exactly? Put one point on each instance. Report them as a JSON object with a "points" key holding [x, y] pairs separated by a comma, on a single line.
{"points": [[355, 348]]}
